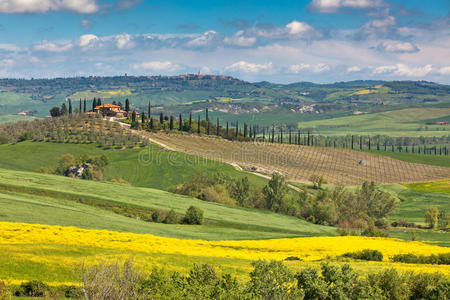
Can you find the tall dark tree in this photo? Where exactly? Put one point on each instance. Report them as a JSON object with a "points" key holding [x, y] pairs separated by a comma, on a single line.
{"points": [[360, 143], [70, 107], [309, 137], [127, 105], [218, 127], [80, 111], [190, 121], [198, 124], [290, 137], [143, 118], [237, 128], [180, 123], [281, 134], [171, 123], [226, 131], [94, 104], [133, 117], [151, 123], [99, 102], [149, 112], [207, 122], [84, 105], [264, 133], [161, 118], [245, 130], [353, 142], [63, 109], [121, 105]]}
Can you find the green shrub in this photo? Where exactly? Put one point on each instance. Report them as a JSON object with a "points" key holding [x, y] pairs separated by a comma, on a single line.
{"points": [[73, 292], [3, 139], [366, 254], [435, 259], [32, 288], [171, 217], [193, 216]]}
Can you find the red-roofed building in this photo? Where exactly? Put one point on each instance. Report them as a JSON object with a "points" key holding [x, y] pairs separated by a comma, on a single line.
{"points": [[112, 110]]}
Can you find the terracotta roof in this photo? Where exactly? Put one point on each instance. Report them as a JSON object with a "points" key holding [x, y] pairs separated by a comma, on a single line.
{"points": [[107, 105]]}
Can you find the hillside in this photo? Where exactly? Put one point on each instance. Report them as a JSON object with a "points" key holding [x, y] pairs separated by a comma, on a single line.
{"points": [[298, 163], [58, 200]]}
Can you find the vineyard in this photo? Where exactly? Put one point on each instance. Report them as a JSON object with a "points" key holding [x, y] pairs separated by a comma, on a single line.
{"points": [[298, 163]]}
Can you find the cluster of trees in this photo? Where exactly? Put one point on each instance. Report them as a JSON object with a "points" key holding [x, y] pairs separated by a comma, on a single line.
{"points": [[267, 280], [356, 212], [437, 219], [84, 166], [77, 129]]}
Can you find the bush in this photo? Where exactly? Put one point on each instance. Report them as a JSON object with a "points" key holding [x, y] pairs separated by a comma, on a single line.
{"points": [[73, 292], [171, 217], [3, 291], [366, 254], [3, 139], [157, 216], [32, 288], [194, 216], [435, 259]]}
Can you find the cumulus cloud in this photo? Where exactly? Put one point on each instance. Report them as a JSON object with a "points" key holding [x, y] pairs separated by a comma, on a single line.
{"points": [[404, 70], [317, 68], [353, 69], [444, 70], [298, 28], [87, 41], [43, 6], [239, 39], [124, 41], [331, 6], [9, 48], [205, 39], [397, 47], [246, 67], [47, 46], [159, 66]]}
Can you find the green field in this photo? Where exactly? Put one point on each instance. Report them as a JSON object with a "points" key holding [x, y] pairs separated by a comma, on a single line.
{"points": [[53, 200], [405, 122], [427, 159], [149, 167]]}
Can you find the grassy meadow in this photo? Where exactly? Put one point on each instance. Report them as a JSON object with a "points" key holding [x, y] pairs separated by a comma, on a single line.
{"points": [[405, 122]]}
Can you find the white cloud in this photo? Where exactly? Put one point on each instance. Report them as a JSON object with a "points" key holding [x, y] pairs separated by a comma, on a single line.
{"points": [[9, 48], [404, 70], [353, 69], [160, 66], [298, 28], [205, 70], [243, 66], [239, 39], [397, 47], [87, 40], [124, 41], [317, 68], [205, 39], [444, 70], [380, 23], [43, 6], [52, 46], [330, 6]]}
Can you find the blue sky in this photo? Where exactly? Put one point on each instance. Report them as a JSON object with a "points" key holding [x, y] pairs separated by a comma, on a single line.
{"points": [[279, 41]]}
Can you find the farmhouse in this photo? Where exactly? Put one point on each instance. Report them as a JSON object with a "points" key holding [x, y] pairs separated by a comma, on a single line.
{"points": [[111, 110]]}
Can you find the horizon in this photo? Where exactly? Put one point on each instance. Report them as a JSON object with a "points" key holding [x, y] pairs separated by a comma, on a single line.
{"points": [[290, 41], [234, 77]]}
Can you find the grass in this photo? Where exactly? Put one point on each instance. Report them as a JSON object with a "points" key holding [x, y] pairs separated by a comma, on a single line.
{"points": [[438, 186], [435, 160], [405, 122], [53, 201], [149, 167]]}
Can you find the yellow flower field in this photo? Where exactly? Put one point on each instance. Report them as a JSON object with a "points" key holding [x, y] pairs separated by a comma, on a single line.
{"points": [[69, 246]]}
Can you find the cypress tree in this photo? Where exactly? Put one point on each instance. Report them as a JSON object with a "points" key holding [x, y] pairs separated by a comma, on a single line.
{"points": [[281, 134], [226, 131], [198, 123], [99, 102], [80, 111], [308, 142], [94, 104], [264, 133], [127, 105], [133, 117], [84, 105], [70, 107], [63, 109], [161, 118], [218, 129], [171, 123], [190, 121], [149, 112], [353, 142], [237, 128], [143, 118], [273, 133], [290, 138], [245, 130], [180, 120], [298, 137], [207, 122], [151, 123], [369, 143], [360, 143]]}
